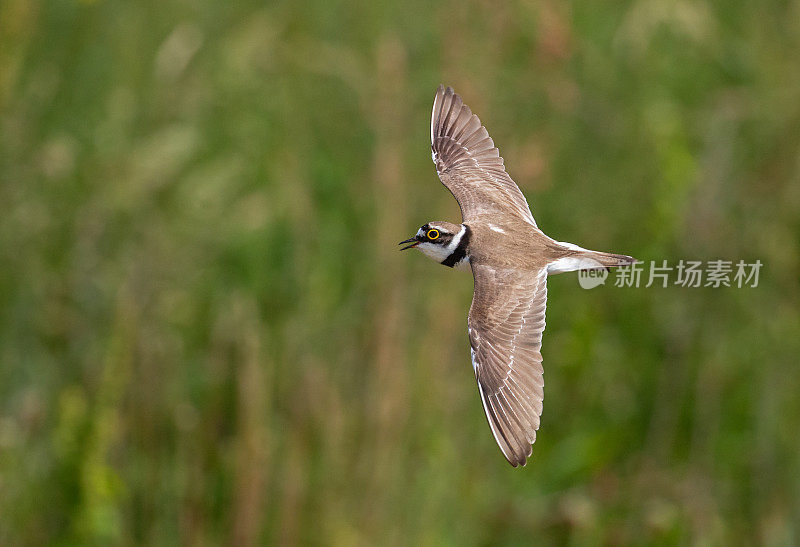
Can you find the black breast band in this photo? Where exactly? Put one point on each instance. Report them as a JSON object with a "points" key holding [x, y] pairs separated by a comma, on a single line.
{"points": [[461, 251]]}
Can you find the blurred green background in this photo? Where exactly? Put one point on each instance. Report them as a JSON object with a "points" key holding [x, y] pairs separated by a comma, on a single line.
{"points": [[207, 334]]}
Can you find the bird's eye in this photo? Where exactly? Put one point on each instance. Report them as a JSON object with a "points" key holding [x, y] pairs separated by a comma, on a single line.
{"points": [[433, 234]]}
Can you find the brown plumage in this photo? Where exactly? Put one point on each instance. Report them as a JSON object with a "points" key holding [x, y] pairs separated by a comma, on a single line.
{"points": [[510, 258]]}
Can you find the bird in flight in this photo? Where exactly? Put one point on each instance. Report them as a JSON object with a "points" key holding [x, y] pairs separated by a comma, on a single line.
{"points": [[510, 259]]}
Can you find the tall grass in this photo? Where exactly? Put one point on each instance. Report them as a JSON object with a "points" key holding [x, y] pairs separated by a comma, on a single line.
{"points": [[208, 336]]}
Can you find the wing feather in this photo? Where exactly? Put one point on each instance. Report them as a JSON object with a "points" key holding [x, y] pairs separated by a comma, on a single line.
{"points": [[506, 321], [469, 164]]}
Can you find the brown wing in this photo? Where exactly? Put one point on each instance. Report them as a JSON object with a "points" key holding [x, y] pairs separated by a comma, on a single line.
{"points": [[506, 322], [468, 163]]}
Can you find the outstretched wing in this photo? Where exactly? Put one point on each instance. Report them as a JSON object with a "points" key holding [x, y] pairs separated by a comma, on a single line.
{"points": [[506, 321], [468, 163]]}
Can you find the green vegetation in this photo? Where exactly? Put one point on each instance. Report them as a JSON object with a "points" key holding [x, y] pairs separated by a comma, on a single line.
{"points": [[207, 334]]}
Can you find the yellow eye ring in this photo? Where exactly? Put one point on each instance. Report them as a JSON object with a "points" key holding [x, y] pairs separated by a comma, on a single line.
{"points": [[433, 234]]}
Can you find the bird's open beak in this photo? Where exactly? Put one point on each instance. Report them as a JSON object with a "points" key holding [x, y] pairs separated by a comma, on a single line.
{"points": [[413, 241]]}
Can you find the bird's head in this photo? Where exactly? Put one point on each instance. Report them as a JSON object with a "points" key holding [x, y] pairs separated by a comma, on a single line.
{"points": [[438, 240]]}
